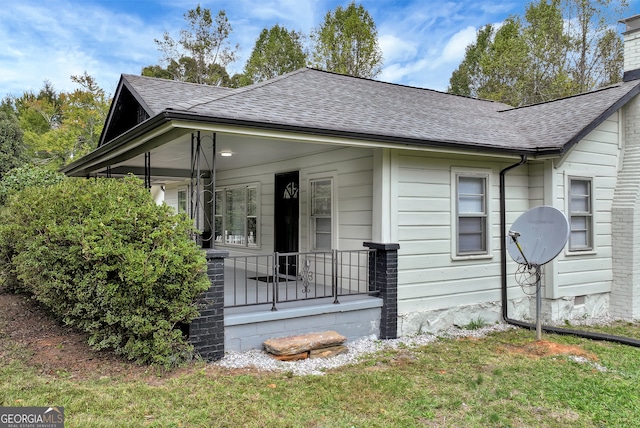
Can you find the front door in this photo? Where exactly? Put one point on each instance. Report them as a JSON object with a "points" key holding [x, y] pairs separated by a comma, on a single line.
{"points": [[287, 210]]}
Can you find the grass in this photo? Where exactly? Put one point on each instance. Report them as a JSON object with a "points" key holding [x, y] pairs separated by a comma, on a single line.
{"points": [[503, 380], [476, 324]]}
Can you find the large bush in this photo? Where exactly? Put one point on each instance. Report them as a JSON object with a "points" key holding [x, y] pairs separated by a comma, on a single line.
{"points": [[104, 258], [27, 176]]}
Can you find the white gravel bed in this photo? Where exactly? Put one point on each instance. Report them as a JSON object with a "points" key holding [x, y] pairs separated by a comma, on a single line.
{"points": [[317, 366]]}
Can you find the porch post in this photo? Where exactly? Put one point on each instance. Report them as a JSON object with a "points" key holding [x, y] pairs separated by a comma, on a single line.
{"points": [[206, 333], [147, 170], [384, 264]]}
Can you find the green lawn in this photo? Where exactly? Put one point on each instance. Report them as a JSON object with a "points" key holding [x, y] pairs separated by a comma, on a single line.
{"points": [[505, 379]]}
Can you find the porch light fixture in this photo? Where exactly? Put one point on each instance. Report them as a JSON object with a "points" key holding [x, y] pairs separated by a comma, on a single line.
{"points": [[226, 153]]}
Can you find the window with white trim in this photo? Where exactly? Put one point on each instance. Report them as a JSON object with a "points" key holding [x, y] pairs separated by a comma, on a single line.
{"points": [[182, 200], [580, 214], [320, 213], [236, 215], [471, 214]]}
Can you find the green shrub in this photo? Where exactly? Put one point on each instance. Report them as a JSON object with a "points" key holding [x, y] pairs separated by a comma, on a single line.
{"points": [[27, 176], [104, 258]]}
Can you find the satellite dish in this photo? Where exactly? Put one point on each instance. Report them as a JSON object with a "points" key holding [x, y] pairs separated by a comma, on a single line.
{"points": [[540, 233], [536, 238]]}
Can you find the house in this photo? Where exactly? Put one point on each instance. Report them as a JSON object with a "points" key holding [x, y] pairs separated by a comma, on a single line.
{"points": [[313, 163]]}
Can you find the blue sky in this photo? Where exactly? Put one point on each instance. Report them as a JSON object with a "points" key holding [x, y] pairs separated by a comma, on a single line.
{"points": [[422, 41]]}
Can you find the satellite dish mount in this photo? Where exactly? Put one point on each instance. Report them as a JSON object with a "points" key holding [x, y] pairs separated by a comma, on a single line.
{"points": [[536, 238]]}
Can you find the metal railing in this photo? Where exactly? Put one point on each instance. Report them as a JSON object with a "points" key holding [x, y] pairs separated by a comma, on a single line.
{"points": [[289, 277]]}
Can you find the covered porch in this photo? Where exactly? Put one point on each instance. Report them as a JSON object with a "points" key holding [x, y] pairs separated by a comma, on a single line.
{"points": [[269, 287]]}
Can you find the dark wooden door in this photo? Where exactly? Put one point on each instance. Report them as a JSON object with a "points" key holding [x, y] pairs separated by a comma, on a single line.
{"points": [[287, 212]]}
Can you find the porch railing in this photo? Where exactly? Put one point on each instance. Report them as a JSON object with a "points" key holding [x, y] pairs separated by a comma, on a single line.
{"points": [[289, 277]]}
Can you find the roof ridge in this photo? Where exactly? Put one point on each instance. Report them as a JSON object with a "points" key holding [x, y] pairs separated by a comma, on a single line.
{"points": [[174, 81], [593, 91], [405, 86], [243, 89]]}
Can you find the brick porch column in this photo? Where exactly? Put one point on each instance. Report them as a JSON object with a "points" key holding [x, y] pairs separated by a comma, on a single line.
{"points": [[206, 333], [383, 269]]}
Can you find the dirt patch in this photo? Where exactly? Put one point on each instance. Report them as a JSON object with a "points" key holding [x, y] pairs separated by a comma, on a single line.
{"points": [[29, 333], [53, 348], [544, 348]]}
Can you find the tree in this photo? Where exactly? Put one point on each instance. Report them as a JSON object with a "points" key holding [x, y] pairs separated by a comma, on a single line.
{"points": [[12, 150], [40, 112], [465, 79], [497, 66], [534, 60], [610, 53], [202, 52], [277, 51], [505, 61], [547, 46], [156, 71], [347, 43], [7, 105], [60, 126], [84, 114], [596, 57]]}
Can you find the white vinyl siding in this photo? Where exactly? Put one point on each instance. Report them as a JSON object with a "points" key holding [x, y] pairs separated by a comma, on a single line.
{"points": [[351, 173], [587, 269], [431, 276]]}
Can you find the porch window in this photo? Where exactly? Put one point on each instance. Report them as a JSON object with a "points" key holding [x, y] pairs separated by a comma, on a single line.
{"points": [[580, 214], [182, 200], [471, 214], [236, 215], [321, 214]]}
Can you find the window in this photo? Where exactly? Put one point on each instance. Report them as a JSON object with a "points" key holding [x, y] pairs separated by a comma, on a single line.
{"points": [[182, 200], [236, 215], [217, 216], [580, 214], [471, 214], [321, 214]]}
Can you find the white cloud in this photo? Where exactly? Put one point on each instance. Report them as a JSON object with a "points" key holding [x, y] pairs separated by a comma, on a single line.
{"points": [[455, 48], [399, 72], [396, 49], [54, 40]]}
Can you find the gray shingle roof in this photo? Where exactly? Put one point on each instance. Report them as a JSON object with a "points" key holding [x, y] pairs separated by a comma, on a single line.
{"points": [[560, 122], [162, 94], [338, 104]]}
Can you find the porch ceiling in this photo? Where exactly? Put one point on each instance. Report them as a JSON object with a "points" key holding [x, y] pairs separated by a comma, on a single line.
{"points": [[171, 162]]}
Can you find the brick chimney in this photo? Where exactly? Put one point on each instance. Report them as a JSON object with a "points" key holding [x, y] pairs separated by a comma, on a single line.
{"points": [[631, 48], [625, 208]]}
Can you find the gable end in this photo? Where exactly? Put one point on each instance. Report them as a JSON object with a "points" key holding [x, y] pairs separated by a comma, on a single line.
{"points": [[126, 112], [601, 118]]}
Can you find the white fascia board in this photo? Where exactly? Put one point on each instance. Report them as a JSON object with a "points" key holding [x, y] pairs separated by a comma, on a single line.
{"points": [[301, 137]]}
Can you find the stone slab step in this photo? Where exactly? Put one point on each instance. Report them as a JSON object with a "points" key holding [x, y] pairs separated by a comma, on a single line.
{"points": [[331, 351], [292, 345]]}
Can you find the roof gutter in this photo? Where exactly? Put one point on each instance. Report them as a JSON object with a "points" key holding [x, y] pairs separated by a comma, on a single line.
{"points": [[448, 144], [503, 265], [144, 132], [118, 145]]}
